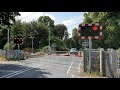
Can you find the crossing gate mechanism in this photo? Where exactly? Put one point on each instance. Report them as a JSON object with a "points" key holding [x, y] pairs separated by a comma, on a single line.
{"points": [[93, 31]]}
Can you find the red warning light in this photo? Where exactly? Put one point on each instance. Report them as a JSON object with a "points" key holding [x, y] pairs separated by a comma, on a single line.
{"points": [[95, 28]]}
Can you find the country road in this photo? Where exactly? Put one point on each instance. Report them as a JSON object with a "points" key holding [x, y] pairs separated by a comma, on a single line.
{"points": [[48, 66]]}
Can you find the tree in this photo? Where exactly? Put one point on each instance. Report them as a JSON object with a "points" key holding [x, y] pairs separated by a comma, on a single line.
{"points": [[41, 36], [17, 29], [46, 20], [110, 22], [3, 38], [6, 21], [60, 43], [7, 17], [60, 31], [75, 38]]}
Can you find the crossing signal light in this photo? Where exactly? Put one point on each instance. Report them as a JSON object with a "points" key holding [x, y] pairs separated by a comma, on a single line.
{"points": [[90, 30], [18, 40], [95, 28]]}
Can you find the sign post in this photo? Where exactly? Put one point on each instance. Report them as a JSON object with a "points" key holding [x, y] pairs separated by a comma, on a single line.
{"points": [[90, 32], [90, 54], [18, 52]]}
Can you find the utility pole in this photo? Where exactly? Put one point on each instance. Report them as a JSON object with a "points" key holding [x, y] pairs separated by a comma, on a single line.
{"points": [[32, 43], [49, 36], [8, 44]]}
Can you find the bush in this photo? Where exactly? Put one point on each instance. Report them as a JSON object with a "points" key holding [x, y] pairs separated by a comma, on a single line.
{"points": [[46, 49], [11, 46], [118, 50], [27, 49], [37, 50]]}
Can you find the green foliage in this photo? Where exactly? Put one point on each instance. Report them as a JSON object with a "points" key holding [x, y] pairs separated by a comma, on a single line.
{"points": [[60, 31], [46, 49], [13, 58], [7, 17], [10, 45], [75, 39], [17, 29], [3, 38], [6, 21], [60, 43], [73, 43], [28, 49], [111, 26], [37, 50], [46, 20]]}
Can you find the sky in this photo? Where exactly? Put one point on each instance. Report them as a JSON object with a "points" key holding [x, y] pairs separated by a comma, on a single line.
{"points": [[70, 19]]}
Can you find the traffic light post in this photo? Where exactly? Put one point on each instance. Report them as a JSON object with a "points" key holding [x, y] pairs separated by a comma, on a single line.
{"points": [[18, 41]]}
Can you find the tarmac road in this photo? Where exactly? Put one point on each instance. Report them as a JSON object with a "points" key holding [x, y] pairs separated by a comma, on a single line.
{"points": [[48, 66]]}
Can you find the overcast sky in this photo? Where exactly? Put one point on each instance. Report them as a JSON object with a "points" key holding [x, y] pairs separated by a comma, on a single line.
{"points": [[69, 19]]}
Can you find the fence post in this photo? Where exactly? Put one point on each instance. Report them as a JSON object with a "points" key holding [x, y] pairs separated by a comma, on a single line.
{"points": [[84, 65], [102, 66], [102, 62]]}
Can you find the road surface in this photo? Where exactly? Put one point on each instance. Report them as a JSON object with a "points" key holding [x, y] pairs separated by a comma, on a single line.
{"points": [[48, 66]]}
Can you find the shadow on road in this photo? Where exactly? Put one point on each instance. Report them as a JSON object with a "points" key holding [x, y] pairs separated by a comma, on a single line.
{"points": [[21, 71]]}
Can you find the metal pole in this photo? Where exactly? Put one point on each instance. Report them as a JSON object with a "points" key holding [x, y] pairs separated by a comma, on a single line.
{"points": [[85, 45], [32, 45], [8, 44], [49, 39], [101, 71], [18, 52], [90, 55], [8, 39]]}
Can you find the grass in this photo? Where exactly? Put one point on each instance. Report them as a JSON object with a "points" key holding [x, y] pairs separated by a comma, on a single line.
{"points": [[90, 75]]}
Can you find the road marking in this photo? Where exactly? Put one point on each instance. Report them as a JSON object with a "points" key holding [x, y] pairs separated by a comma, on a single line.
{"points": [[70, 67], [18, 72], [79, 66], [29, 68], [13, 73], [73, 76]]}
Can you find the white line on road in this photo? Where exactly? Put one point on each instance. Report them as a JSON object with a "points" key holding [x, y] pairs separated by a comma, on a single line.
{"points": [[79, 67], [72, 76], [70, 67], [13, 73], [18, 72]]}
